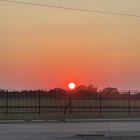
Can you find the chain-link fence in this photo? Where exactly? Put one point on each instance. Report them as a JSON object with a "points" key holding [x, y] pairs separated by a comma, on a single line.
{"points": [[100, 104]]}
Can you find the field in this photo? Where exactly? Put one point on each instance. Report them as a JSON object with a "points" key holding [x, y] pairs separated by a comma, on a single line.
{"points": [[80, 107]]}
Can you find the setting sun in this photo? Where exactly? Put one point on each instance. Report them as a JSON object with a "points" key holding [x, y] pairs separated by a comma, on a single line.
{"points": [[71, 85]]}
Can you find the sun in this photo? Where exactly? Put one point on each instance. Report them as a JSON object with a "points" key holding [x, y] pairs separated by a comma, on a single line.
{"points": [[71, 85]]}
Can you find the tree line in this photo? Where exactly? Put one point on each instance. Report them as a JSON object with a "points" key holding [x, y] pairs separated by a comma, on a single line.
{"points": [[90, 91]]}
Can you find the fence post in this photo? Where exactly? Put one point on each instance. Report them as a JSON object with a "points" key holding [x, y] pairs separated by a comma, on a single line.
{"points": [[100, 102], [129, 105], [70, 102], [39, 104], [7, 103]]}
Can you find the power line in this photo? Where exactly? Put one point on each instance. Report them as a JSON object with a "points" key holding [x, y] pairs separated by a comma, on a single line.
{"points": [[69, 8]]}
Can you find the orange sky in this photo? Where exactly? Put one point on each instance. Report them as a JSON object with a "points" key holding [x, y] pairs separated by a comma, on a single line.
{"points": [[44, 47]]}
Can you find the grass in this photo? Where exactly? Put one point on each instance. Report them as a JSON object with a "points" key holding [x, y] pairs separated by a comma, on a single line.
{"points": [[80, 107]]}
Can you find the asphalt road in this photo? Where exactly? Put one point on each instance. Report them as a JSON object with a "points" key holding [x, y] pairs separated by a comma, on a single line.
{"points": [[70, 131]]}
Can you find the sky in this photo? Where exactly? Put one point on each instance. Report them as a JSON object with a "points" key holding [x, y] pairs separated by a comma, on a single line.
{"points": [[44, 48]]}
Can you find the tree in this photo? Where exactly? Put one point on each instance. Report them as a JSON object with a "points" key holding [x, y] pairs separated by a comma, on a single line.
{"points": [[110, 90]]}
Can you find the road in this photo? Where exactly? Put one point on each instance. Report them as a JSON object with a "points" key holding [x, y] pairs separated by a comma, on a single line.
{"points": [[70, 131]]}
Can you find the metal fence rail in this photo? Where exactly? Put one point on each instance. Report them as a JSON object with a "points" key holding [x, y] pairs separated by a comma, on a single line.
{"points": [[100, 105]]}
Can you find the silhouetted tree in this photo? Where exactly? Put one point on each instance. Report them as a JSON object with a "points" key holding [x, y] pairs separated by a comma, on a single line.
{"points": [[86, 90], [110, 90], [57, 92]]}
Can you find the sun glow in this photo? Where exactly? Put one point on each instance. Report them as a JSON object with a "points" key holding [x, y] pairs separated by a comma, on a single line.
{"points": [[71, 85]]}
